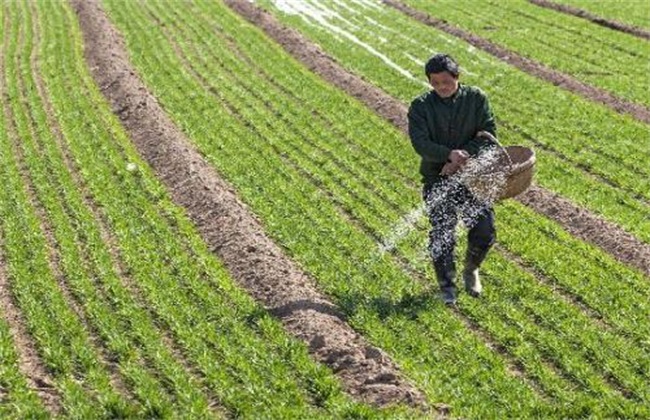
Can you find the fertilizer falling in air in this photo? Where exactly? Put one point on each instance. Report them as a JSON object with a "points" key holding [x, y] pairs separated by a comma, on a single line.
{"points": [[401, 229], [484, 176]]}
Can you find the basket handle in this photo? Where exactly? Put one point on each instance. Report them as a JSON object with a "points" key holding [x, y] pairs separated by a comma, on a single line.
{"points": [[493, 139]]}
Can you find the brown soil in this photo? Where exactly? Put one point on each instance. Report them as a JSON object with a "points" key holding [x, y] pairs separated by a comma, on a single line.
{"points": [[231, 229], [612, 24], [534, 68], [578, 221]]}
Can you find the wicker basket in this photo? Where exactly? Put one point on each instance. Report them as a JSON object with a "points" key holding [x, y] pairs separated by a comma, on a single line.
{"points": [[507, 173], [520, 174]]}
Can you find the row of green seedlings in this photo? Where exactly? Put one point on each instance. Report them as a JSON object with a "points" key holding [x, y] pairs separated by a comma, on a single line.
{"points": [[633, 13], [50, 320], [598, 56], [237, 108], [17, 399], [178, 293], [565, 130], [70, 233]]}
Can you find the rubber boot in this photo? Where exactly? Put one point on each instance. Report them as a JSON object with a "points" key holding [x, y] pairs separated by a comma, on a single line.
{"points": [[471, 277], [446, 274], [445, 269], [448, 288], [472, 280]]}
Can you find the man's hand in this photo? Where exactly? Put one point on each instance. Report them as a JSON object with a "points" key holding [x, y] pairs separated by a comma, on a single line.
{"points": [[455, 161], [457, 156]]}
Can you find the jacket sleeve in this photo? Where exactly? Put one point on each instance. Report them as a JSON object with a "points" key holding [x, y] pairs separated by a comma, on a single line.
{"points": [[422, 140], [485, 122]]}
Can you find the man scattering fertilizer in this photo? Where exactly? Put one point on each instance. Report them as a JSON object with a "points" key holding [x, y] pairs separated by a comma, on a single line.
{"points": [[445, 127]]}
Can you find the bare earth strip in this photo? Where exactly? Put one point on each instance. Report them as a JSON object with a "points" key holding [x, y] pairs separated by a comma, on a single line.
{"points": [[230, 228], [612, 24], [576, 220], [581, 223], [534, 68]]}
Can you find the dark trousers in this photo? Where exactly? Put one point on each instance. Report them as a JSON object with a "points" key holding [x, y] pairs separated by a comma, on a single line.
{"points": [[446, 201]]}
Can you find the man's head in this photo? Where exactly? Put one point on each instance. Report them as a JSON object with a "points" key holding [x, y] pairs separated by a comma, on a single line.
{"points": [[442, 72]]}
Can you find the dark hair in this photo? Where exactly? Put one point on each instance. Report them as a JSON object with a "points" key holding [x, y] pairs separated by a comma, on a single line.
{"points": [[441, 62]]}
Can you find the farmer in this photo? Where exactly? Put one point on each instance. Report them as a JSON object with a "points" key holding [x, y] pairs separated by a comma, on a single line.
{"points": [[444, 127]]}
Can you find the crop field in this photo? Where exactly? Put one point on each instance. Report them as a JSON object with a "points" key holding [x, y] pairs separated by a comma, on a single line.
{"points": [[130, 286]]}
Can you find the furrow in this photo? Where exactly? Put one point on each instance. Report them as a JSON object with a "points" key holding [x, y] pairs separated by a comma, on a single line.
{"points": [[608, 23]]}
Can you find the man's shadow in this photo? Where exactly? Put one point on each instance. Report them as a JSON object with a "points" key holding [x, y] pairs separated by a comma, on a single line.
{"points": [[409, 306]]}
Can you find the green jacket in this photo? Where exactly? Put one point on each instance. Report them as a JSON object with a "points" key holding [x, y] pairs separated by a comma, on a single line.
{"points": [[437, 126]]}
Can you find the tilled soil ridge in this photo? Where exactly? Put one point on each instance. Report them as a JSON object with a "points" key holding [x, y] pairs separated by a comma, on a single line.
{"points": [[539, 70], [230, 228], [576, 220], [611, 24]]}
